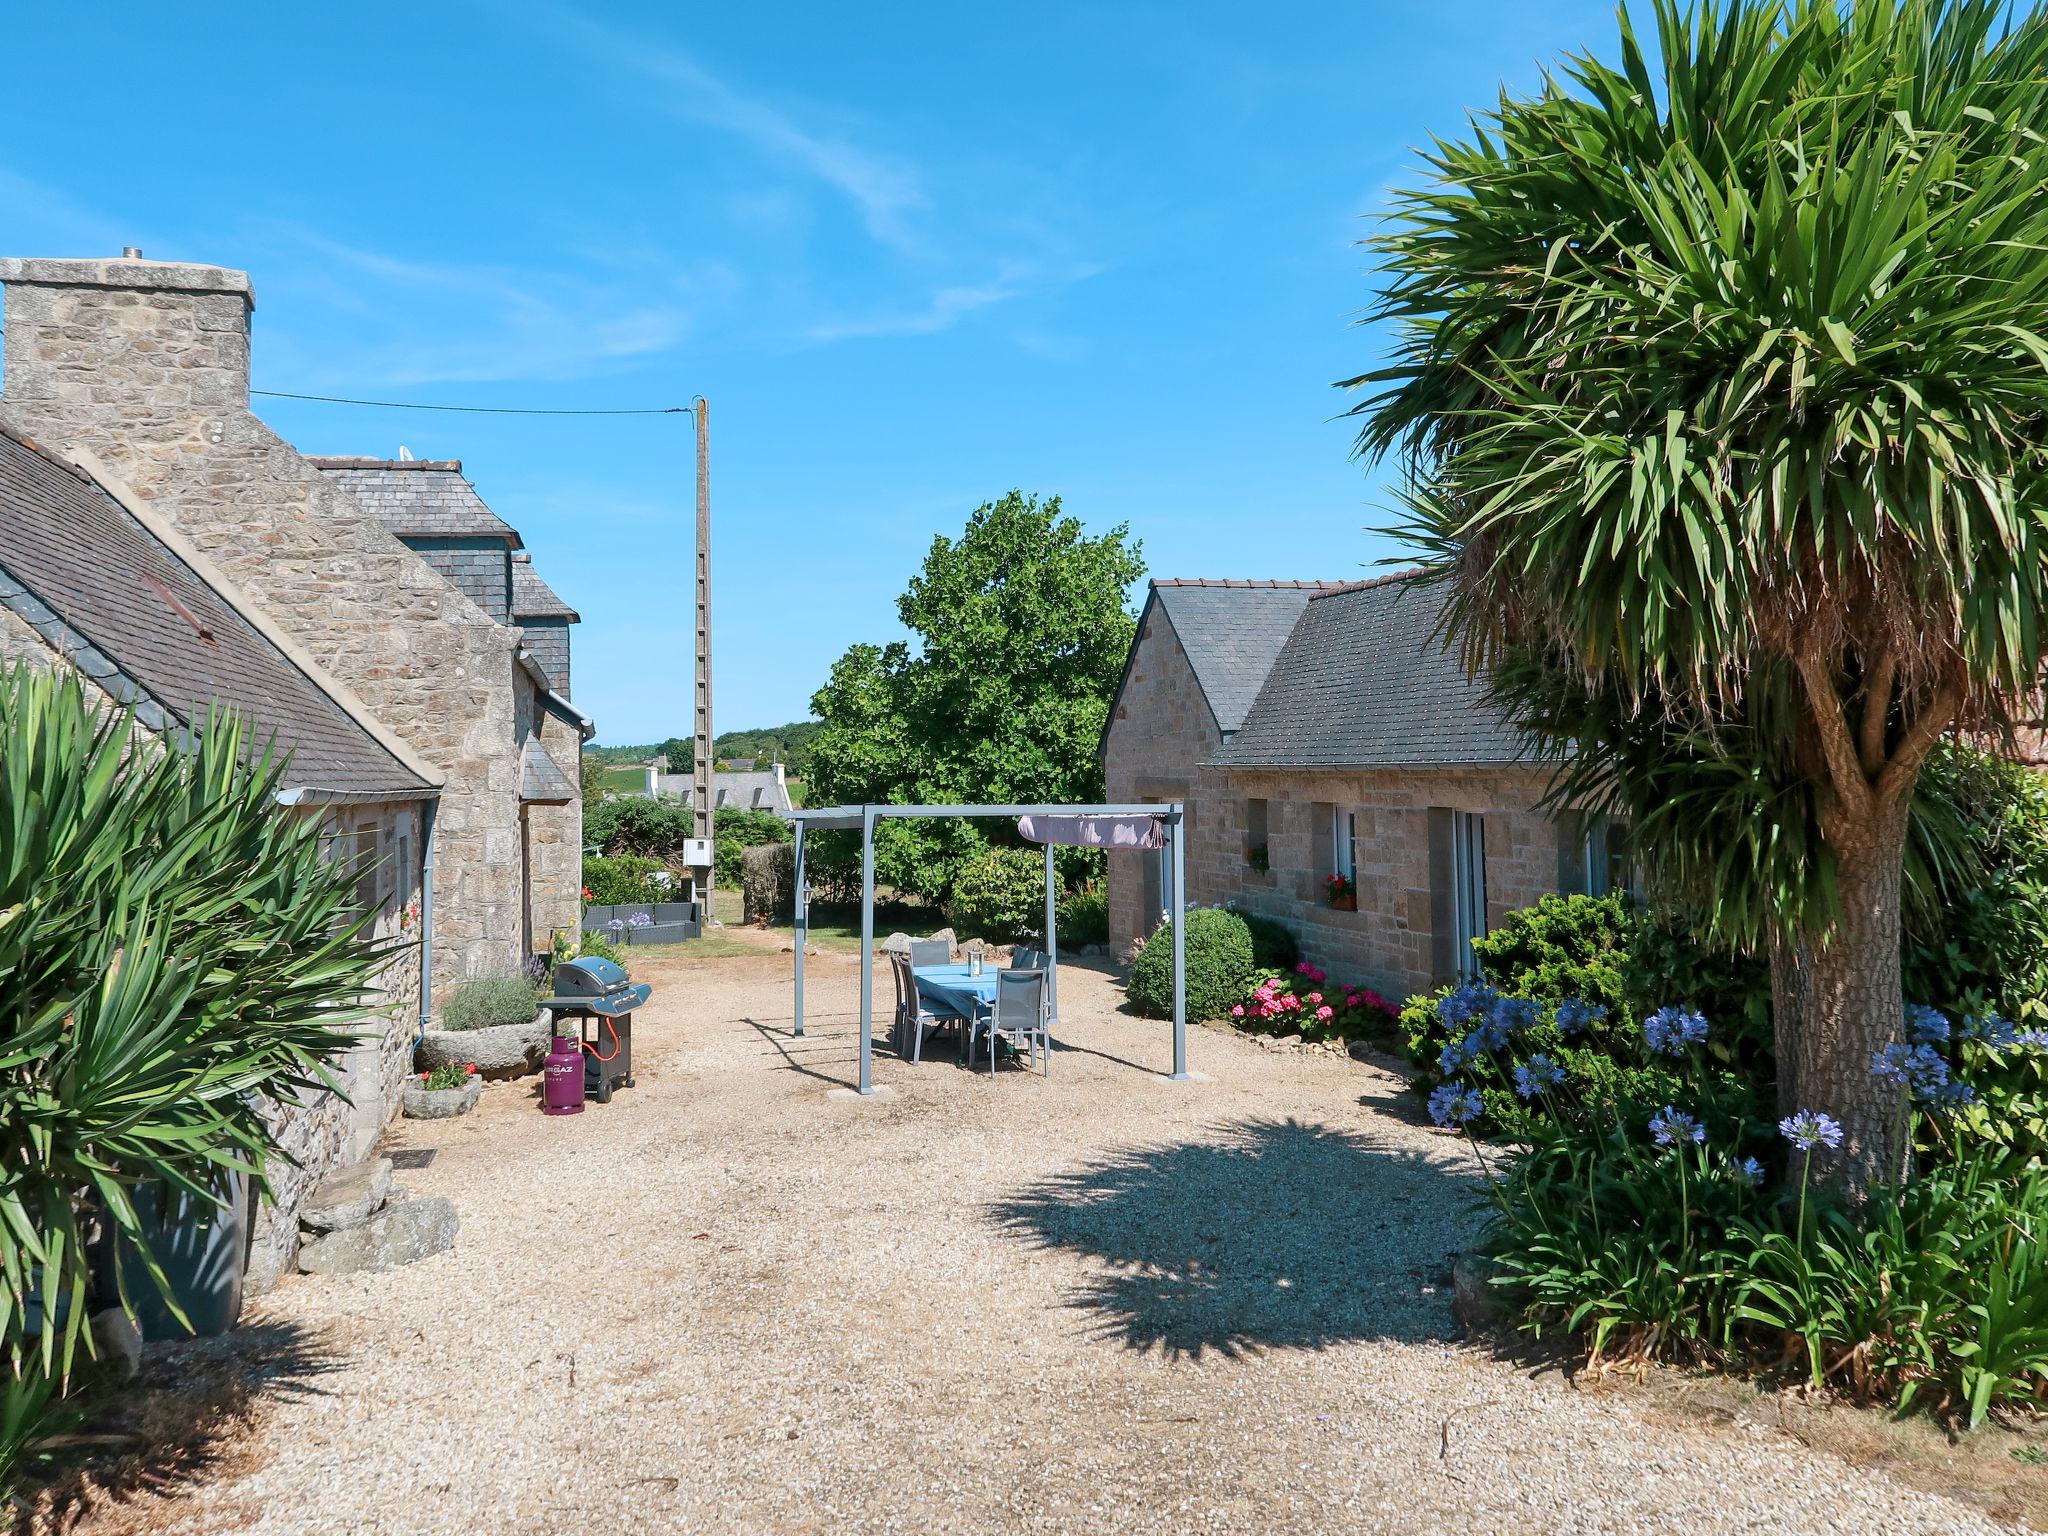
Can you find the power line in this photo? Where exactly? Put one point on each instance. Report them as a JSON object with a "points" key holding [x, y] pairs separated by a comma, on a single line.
{"points": [[477, 410]]}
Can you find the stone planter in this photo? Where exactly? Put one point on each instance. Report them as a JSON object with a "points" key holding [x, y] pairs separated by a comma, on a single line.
{"points": [[439, 1103], [501, 1051]]}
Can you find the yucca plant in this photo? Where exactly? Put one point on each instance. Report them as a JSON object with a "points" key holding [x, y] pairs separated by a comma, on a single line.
{"points": [[1721, 376], [175, 948]]}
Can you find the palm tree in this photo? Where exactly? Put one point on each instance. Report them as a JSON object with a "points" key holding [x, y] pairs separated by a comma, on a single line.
{"points": [[1721, 385]]}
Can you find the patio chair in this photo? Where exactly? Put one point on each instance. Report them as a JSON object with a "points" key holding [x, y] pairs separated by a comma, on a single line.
{"points": [[1024, 958], [1018, 1019], [913, 1015], [930, 952]]}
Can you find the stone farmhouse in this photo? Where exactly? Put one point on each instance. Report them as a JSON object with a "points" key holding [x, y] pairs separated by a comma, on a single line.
{"points": [[1318, 729], [374, 617]]}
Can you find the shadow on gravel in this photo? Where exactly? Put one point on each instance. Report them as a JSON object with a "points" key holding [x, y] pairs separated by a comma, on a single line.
{"points": [[1270, 1234], [180, 1425]]}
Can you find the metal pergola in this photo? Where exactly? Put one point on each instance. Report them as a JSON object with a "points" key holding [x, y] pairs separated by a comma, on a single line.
{"points": [[1170, 817]]}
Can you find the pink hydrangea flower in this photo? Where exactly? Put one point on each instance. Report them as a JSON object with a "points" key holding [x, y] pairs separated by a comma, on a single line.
{"points": [[1315, 997], [1326, 1013], [1237, 1012]]}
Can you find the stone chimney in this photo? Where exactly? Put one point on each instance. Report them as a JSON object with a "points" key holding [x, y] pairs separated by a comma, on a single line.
{"points": [[124, 347]]}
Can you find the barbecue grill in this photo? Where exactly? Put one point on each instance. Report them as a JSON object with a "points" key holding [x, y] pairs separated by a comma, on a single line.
{"points": [[597, 994]]}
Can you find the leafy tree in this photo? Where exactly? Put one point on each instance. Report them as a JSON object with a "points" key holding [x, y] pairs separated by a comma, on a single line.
{"points": [[1020, 628], [1725, 382]]}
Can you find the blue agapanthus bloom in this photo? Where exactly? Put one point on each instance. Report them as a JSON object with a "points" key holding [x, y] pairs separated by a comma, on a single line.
{"points": [[1575, 1014], [2035, 1039], [1459, 1054], [1471, 1001], [1925, 1025], [1919, 1068], [1669, 1126], [1671, 1030], [1747, 1169], [1536, 1074], [1511, 1015], [617, 925], [1809, 1129], [1454, 1104], [1989, 1029], [1952, 1094], [640, 920]]}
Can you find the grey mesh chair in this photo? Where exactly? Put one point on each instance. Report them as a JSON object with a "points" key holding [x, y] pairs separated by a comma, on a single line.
{"points": [[1024, 958], [1018, 1019], [930, 952], [914, 1015]]}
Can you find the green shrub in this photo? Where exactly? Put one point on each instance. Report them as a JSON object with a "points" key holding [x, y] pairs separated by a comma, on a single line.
{"points": [[1084, 917], [596, 946], [1274, 947], [621, 880], [653, 829], [490, 1000], [177, 953], [734, 831], [1219, 966], [1564, 946], [999, 894]]}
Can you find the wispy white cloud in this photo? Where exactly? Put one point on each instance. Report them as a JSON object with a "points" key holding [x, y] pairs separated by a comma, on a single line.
{"points": [[887, 190], [948, 306]]}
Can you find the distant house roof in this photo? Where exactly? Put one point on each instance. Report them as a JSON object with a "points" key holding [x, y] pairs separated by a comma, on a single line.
{"points": [[1363, 683], [533, 598], [130, 613], [753, 790], [1231, 632], [419, 498]]}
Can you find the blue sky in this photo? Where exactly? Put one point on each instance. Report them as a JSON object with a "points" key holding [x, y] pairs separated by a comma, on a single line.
{"points": [[914, 255]]}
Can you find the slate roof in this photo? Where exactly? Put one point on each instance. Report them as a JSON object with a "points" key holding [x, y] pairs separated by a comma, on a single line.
{"points": [[119, 604], [1232, 631], [419, 498], [751, 790], [1361, 684], [533, 598], [540, 781]]}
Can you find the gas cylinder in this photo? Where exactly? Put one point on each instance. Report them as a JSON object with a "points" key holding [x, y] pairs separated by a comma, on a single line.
{"points": [[562, 1081]]}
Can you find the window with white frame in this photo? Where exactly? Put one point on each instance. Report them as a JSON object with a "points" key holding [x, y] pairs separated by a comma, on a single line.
{"points": [[1468, 888], [1344, 843]]}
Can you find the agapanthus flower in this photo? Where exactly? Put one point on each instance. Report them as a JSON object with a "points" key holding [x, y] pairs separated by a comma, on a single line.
{"points": [[1671, 1030], [2035, 1039], [1468, 1002], [1575, 1014], [1925, 1025], [1809, 1129], [1951, 1094], [1459, 1054], [1747, 1169], [1536, 1074], [1512, 1015], [617, 925], [1916, 1067], [1669, 1126], [1453, 1104], [639, 920], [1991, 1030]]}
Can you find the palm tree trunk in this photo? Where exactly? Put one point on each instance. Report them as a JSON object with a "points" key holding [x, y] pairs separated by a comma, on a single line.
{"points": [[1845, 992]]}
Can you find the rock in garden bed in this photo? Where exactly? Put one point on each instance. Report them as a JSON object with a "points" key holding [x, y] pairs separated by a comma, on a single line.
{"points": [[499, 1050], [402, 1234]]}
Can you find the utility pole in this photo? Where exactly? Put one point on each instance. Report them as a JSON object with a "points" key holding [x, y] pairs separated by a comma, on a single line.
{"points": [[700, 770]]}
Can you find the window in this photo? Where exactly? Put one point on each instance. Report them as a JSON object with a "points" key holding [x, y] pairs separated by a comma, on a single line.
{"points": [[1257, 845], [1344, 843], [1457, 879], [1607, 864], [1468, 888]]}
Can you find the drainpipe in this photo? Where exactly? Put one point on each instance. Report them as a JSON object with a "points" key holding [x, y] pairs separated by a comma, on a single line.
{"points": [[427, 838]]}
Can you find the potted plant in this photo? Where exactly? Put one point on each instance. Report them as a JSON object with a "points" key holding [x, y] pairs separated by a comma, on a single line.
{"points": [[1342, 893], [1256, 856], [445, 1090], [495, 1023]]}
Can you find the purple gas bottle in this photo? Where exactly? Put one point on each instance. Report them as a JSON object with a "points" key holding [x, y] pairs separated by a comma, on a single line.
{"points": [[562, 1080]]}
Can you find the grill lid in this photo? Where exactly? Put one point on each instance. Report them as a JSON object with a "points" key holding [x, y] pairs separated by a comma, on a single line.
{"points": [[589, 976]]}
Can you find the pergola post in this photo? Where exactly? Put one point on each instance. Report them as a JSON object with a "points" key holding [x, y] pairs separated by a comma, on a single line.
{"points": [[867, 950], [1052, 943], [802, 912], [1178, 827]]}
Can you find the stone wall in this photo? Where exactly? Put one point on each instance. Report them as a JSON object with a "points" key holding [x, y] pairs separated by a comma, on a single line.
{"points": [[1160, 735], [146, 366], [323, 1131]]}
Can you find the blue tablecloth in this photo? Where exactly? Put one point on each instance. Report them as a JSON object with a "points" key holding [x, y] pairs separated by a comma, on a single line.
{"points": [[951, 989]]}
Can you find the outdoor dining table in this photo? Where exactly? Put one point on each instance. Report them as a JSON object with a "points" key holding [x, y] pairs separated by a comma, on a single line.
{"points": [[952, 988]]}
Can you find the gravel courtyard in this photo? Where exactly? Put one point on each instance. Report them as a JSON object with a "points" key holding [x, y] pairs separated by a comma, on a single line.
{"points": [[729, 1301]]}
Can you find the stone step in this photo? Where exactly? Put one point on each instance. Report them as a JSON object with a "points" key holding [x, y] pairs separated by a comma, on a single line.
{"points": [[401, 1234], [347, 1197]]}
